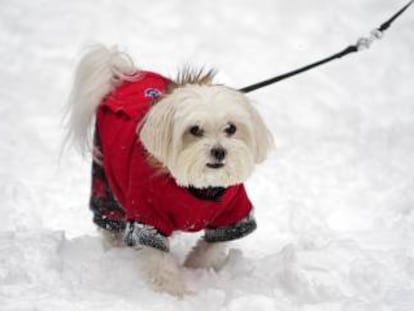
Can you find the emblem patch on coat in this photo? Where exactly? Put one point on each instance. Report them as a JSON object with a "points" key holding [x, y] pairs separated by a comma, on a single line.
{"points": [[151, 92]]}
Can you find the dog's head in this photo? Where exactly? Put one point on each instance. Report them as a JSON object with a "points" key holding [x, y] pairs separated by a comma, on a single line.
{"points": [[205, 135]]}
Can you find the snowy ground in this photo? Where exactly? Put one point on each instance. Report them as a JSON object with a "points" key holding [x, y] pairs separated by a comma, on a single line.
{"points": [[334, 202]]}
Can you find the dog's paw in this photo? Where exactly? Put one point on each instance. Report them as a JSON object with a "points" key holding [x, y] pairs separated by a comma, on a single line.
{"points": [[167, 281], [163, 273], [207, 255]]}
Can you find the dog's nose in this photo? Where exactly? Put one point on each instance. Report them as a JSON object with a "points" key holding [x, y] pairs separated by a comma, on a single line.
{"points": [[218, 153]]}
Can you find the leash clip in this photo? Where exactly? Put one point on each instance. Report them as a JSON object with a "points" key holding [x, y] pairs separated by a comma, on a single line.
{"points": [[364, 43]]}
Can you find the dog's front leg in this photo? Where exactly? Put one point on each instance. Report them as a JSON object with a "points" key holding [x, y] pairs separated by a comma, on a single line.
{"points": [[163, 271], [207, 255]]}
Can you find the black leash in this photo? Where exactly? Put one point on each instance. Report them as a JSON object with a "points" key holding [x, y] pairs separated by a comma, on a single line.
{"points": [[362, 43]]}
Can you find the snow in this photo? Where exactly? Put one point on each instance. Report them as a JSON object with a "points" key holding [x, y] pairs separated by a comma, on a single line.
{"points": [[334, 201]]}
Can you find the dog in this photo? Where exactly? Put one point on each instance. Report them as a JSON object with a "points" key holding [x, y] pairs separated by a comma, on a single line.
{"points": [[168, 155]]}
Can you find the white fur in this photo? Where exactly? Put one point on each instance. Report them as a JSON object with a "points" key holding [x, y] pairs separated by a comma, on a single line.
{"points": [[163, 271], [99, 71], [111, 239], [165, 134], [207, 255]]}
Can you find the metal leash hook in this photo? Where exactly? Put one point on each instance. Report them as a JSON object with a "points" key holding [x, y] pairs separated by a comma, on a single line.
{"points": [[363, 43]]}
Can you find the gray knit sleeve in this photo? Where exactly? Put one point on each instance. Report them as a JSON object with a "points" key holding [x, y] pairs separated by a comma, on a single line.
{"points": [[137, 235], [222, 234]]}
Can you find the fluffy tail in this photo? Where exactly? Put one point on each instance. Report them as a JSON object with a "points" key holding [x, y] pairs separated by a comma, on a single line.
{"points": [[99, 71]]}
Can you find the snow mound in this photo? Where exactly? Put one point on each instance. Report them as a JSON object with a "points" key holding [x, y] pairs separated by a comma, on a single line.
{"points": [[46, 270]]}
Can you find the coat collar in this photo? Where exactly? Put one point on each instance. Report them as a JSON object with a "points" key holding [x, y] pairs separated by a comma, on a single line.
{"points": [[207, 194]]}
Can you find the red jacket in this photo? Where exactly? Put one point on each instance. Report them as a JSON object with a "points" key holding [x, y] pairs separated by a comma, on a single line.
{"points": [[144, 194]]}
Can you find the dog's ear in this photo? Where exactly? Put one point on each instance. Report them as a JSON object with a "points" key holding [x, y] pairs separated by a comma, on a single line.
{"points": [[263, 139], [155, 132]]}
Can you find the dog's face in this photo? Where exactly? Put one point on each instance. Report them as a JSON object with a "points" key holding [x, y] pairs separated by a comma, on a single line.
{"points": [[206, 135]]}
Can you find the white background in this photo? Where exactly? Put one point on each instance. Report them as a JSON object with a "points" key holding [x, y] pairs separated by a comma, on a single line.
{"points": [[334, 201]]}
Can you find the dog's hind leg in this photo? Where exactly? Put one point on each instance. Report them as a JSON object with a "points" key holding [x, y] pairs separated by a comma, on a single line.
{"points": [[111, 239], [108, 213]]}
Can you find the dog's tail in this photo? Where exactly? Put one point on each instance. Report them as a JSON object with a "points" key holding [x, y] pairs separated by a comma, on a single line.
{"points": [[99, 71]]}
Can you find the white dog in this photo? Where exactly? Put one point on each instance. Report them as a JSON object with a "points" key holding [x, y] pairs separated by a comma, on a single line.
{"points": [[168, 155]]}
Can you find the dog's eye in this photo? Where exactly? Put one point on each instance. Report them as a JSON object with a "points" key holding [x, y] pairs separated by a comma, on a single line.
{"points": [[230, 129], [196, 131]]}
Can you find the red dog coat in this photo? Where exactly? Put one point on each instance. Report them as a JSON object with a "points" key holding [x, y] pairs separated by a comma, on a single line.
{"points": [[130, 195]]}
